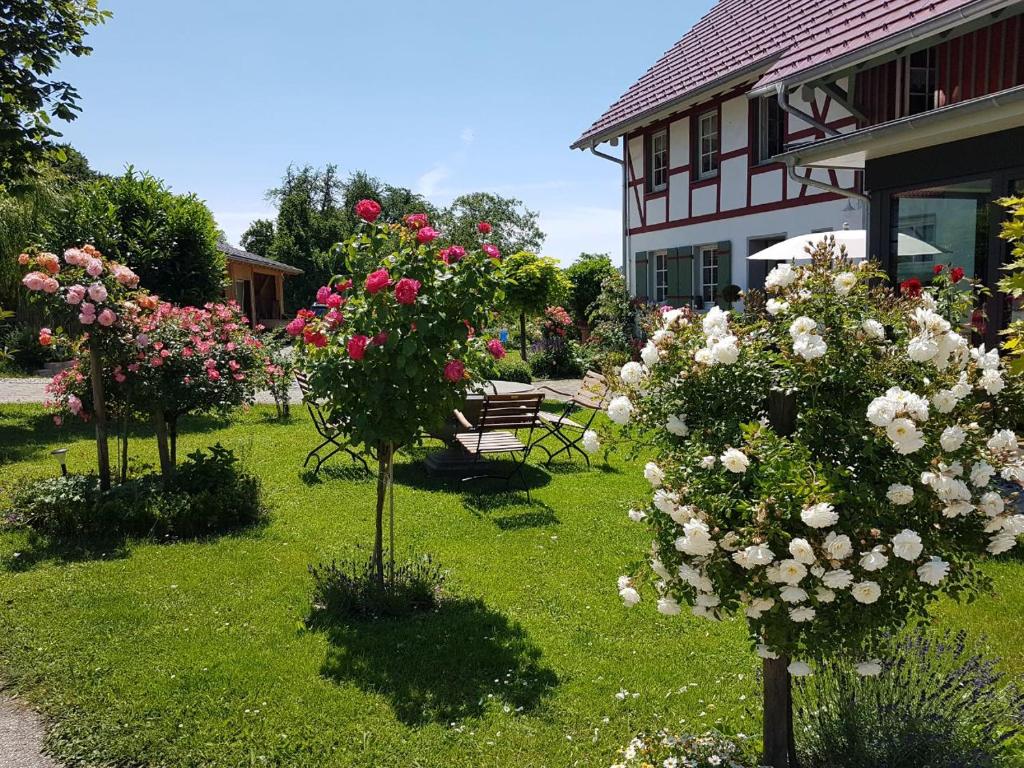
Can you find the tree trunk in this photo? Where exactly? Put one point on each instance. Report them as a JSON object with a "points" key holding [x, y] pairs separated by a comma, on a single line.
{"points": [[522, 334], [99, 416], [160, 426], [384, 458], [777, 711], [172, 433], [124, 449]]}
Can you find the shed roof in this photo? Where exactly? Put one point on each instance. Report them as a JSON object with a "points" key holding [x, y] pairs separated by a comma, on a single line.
{"points": [[237, 254], [772, 40]]}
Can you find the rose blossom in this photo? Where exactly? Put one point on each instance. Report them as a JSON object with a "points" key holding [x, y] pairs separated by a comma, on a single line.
{"points": [[822, 515], [107, 318], [98, 292], [425, 235], [322, 294], [653, 474], [406, 290], [838, 546], [34, 281], [866, 592], [496, 348], [906, 545], [933, 571], [491, 251], [335, 300], [75, 294], [294, 328], [620, 410], [484, 228], [416, 220], [368, 210], [378, 280], [735, 461], [94, 267], [900, 494], [452, 254], [357, 346], [45, 337], [454, 371]]}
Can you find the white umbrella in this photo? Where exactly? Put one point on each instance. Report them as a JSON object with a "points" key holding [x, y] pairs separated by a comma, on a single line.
{"points": [[855, 241]]}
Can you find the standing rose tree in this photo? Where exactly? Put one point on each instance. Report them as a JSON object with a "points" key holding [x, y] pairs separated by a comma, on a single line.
{"points": [[828, 468], [396, 350]]}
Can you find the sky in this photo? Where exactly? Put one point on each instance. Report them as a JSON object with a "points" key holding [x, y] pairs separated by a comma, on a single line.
{"points": [[218, 97]]}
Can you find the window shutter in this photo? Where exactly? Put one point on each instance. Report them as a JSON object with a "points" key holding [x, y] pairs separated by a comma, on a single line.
{"points": [[695, 280], [724, 249], [681, 282], [641, 288]]}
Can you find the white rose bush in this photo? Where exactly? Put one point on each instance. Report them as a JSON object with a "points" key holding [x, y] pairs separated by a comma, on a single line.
{"points": [[843, 463]]}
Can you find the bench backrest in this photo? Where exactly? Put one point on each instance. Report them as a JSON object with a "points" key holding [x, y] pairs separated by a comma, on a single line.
{"points": [[592, 392], [514, 411]]}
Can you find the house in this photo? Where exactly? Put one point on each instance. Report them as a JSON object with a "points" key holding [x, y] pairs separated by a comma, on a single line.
{"points": [[770, 118], [257, 284]]}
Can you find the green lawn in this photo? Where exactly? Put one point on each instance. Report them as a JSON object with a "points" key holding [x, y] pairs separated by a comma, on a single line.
{"points": [[195, 653]]}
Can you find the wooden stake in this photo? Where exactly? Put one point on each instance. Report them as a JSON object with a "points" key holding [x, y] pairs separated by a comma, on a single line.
{"points": [[99, 407]]}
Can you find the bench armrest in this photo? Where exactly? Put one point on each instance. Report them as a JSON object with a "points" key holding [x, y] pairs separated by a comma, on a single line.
{"points": [[463, 421]]}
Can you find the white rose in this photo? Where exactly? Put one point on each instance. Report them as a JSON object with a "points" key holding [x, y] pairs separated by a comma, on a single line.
{"points": [[905, 436], [650, 354], [981, 474], [1000, 543], [792, 594], [992, 382], [681, 515], [944, 401], [802, 326], [1002, 440], [824, 595], [801, 614], [703, 356], [933, 571], [705, 600], [810, 347], [620, 410], [874, 560], [676, 425], [802, 551], [843, 283], [871, 668], [900, 494], [791, 571], [922, 349], [820, 515], [991, 504], [726, 351], [735, 461], [907, 545], [653, 474], [873, 330], [663, 336], [881, 411], [780, 277], [630, 596], [765, 652], [1014, 525], [708, 462], [838, 547], [837, 579], [632, 373], [762, 604], [865, 592], [799, 669], [591, 442], [715, 322], [776, 306], [667, 606], [758, 555], [666, 501], [952, 438], [986, 361], [637, 515]]}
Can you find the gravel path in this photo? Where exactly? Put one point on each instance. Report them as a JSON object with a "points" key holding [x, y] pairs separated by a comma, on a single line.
{"points": [[21, 737]]}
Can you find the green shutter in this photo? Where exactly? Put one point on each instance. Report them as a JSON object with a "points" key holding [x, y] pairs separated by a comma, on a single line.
{"points": [[640, 285], [724, 249], [680, 276]]}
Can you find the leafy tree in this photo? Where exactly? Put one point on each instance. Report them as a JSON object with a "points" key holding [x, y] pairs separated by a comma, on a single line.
{"points": [[34, 36], [586, 275], [515, 227], [169, 240], [1013, 283], [532, 283], [259, 237]]}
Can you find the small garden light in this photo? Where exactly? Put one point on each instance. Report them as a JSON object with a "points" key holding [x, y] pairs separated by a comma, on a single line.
{"points": [[61, 455]]}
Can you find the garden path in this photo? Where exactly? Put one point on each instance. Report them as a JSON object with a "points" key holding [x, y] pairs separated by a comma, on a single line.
{"points": [[21, 737]]}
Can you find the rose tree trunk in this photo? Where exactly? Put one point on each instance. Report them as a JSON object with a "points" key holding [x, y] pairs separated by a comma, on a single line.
{"points": [[99, 416], [777, 711]]}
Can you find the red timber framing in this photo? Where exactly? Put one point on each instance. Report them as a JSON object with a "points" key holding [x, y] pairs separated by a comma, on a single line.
{"points": [[977, 63]]}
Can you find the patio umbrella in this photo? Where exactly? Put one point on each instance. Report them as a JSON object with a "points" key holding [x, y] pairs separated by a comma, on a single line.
{"points": [[855, 241]]}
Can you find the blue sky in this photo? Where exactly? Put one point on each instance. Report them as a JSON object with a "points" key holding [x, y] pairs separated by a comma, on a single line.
{"points": [[217, 97]]}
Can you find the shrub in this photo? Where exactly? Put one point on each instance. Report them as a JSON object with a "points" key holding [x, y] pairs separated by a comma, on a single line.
{"points": [[937, 703], [210, 494], [711, 750], [351, 589], [514, 369]]}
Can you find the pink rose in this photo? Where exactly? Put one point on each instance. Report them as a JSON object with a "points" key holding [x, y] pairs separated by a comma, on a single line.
{"points": [[107, 318], [75, 294], [368, 210], [74, 256], [378, 280], [496, 348], [50, 285], [45, 337], [406, 290], [334, 318], [416, 220], [452, 254], [24, 259], [379, 339], [94, 267], [74, 405], [119, 376], [491, 251], [357, 346], [98, 292], [454, 370], [125, 276], [34, 281], [484, 228], [426, 234], [294, 328], [335, 300], [322, 294], [49, 262], [212, 374], [157, 361]]}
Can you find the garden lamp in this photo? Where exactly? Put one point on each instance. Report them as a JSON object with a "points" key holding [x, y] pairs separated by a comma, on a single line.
{"points": [[61, 455]]}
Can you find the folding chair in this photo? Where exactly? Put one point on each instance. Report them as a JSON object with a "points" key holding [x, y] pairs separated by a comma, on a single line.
{"points": [[589, 397], [501, 416], [328, 430]]}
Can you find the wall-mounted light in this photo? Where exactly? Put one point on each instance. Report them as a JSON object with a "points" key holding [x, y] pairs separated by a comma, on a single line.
{"points": [[61, 455]]}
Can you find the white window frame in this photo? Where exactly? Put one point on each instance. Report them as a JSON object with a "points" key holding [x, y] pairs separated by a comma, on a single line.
{"points": [[660, 276], [658, 163], [708, 138], [709, 269]]}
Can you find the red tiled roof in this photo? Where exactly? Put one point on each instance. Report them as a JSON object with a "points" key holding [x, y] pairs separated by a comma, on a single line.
{"points": [[785, 36]]}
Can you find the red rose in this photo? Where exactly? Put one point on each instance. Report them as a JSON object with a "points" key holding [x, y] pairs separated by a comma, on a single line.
{"points": [[911, 287], [937, 269], [334, 318], [45, 337], [491, 251], [335, 300], [956, 274], [452, 254], [314, 337], [378, 280], [294, 328], [357, 346], [379, 339], [484, 228], [425, 234], [416, 220], [406, 290], [368, 210], [496, 348], [343, 286], [322, 293], [454, 371]]}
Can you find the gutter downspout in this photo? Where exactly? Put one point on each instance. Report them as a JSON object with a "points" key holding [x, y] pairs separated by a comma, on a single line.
{"points": [[783, 97], [625, 203]]}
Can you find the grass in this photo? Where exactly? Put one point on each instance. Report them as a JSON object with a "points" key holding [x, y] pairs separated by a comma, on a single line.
{"points": [[196, 653]]}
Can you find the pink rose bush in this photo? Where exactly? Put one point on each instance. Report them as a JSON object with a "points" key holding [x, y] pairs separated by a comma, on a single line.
{"points": [[830, 462]]}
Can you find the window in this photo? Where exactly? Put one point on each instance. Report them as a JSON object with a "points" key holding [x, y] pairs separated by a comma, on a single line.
{"points": [[921, 81], [709, 272], [661, 276], [771, 134], [707, 144], [657, 162]]}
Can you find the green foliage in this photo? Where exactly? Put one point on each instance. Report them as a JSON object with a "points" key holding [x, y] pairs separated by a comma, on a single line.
{"points": [[613, 325], [709, 750], [586, 276], [1013, 283], [349, 590], [36, 35], [210, 494], [513, 368], [532, 283], [259, 237], [169, 240], [515, 226], [938, 702]]}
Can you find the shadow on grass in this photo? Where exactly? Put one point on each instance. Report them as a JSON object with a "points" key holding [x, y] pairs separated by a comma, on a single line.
{"points": [[442, 666], [510, 510], [350, 472], [39, 549]]}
